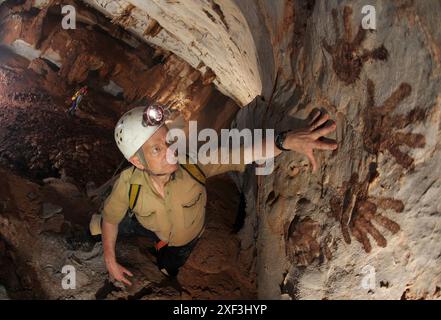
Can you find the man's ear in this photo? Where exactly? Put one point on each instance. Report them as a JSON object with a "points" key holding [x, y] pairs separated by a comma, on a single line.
{"points": [[136, 162]]}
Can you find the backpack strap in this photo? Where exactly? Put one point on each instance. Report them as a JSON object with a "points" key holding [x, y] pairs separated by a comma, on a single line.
{"points": [[133, 195], [194, 171]]}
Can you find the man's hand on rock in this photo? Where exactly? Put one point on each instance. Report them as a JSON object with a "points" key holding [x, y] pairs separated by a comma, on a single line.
{"points": [[307, 139], [118, 272]]}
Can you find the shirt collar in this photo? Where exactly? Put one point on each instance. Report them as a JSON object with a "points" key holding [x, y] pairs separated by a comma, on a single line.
{"points": [[142, 178]]}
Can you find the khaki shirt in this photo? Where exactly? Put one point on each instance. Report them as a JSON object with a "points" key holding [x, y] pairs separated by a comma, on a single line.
{"points": [[177, 218]]}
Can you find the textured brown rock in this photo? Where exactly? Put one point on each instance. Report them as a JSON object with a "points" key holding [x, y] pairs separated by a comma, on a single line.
{"points": [[380, 187]]}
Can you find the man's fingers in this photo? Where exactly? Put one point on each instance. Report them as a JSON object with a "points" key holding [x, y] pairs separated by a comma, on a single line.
{"points": [[314, 117], [124, 270], [320, 121], [125, 281], [329, 144], [325, 130]]}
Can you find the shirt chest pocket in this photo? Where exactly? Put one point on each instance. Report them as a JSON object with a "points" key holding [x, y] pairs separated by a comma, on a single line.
{"points": [[147, 214], [193, 207], [148, 219]]}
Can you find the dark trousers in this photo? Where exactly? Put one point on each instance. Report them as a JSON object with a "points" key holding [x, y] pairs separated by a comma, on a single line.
{"points": [[168, 257], [74, 106]]}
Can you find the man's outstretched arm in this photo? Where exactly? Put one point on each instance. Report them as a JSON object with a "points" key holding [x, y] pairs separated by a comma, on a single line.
{"points": [[303, 140]]}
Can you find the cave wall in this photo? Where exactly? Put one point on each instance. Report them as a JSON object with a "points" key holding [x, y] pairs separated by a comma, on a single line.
{"points": [[373, 208], [212, 36]]}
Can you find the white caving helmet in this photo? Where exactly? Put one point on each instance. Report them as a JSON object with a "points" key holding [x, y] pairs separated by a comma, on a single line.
{"points": [[136, 126]]}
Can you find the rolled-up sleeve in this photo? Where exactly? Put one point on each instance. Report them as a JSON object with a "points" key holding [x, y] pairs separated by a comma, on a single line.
{"points": [[219, 167], [117, 203]]}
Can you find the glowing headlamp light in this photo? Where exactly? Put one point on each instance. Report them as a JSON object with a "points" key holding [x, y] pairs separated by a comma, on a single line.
{"points": [[153, 115]]}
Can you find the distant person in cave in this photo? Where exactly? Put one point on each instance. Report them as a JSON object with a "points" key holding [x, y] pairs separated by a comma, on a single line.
{"points": [[166, 202], [76, 99]]}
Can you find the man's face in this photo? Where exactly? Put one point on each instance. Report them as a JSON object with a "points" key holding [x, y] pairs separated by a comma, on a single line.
{"points": [[155, 153]]}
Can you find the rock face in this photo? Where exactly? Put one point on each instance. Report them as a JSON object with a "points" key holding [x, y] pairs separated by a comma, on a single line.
{"points": [[367, 225], [212, 36]]}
